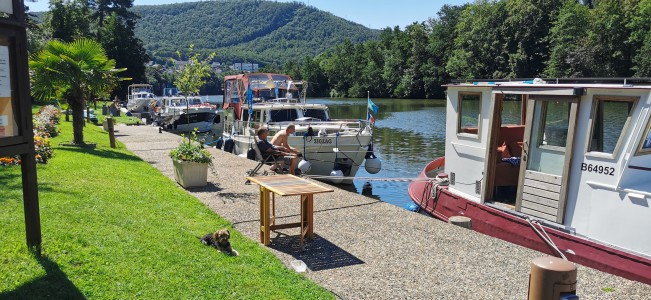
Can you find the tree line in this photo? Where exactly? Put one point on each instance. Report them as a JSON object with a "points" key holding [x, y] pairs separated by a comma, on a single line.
{"points": [[488, 39], [109, 22]]}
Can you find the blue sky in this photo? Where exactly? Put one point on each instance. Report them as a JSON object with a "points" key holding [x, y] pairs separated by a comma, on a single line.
{"points": [[376, 14]]}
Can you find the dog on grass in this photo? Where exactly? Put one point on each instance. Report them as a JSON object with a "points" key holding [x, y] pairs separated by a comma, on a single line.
{"points": [[220, 239]]}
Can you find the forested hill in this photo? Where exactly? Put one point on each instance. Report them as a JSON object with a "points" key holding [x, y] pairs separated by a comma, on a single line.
{"points": [[244, 30]]}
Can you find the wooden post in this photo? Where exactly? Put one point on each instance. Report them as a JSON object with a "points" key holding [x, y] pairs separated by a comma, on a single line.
{"points": [[109, 123], [30, 202]]}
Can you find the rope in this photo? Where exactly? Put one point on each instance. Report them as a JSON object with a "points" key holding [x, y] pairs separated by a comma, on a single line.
{"points": [[386, 179], [545, 237]]}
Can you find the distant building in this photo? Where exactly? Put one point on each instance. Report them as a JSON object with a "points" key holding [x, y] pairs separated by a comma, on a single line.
{"points": [[245, 67]]}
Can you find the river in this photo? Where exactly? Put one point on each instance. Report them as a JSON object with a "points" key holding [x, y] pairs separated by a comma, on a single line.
{"points": [[408, 134]]}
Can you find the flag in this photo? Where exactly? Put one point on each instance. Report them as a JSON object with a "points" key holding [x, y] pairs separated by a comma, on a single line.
{"points": [[372, 107], [249, 99], [370, 118], [276, 83]]}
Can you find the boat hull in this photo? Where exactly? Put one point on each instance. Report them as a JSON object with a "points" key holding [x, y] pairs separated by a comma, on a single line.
{"points": [[514, 228], [320, 153]]}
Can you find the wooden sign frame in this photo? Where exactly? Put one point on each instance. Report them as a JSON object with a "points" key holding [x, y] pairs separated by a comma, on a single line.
{"points": [[16, 113]]}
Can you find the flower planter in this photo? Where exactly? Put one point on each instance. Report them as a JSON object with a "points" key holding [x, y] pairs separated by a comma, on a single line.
{"points": [[190, 174]]}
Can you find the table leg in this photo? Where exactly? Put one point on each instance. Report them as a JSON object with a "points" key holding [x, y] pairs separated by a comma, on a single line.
{"points": [[310, 215], [262, 214], [265, 223], [303, 223]]}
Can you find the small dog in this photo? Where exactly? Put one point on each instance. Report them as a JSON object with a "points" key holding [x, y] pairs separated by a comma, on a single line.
{"points": [[220, 240]]}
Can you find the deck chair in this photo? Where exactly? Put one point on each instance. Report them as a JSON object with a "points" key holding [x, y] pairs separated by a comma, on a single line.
{"points": [[269, 160]]}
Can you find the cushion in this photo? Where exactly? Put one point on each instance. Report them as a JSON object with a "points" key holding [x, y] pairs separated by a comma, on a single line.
{"points": [[515, 148]]}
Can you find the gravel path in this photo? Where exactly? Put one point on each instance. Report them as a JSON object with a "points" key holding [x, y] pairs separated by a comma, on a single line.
{"points": [[368, 249]]}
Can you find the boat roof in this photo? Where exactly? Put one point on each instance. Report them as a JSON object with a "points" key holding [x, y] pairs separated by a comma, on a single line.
{"points": [[556, 83]]}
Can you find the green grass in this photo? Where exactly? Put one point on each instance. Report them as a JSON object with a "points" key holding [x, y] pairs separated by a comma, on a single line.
{"points": [[114, 227]]}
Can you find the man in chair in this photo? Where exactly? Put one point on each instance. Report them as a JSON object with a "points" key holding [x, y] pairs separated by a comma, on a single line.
{"points": [[267, 149]]}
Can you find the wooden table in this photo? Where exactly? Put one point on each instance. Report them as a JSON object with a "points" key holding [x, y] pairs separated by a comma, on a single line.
{"points": [[286, 185]]}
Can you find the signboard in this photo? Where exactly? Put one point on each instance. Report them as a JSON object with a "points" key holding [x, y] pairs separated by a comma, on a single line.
{"points": [[7, 121], [6, 6]]}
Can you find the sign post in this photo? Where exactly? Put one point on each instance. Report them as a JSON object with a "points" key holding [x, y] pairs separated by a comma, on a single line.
{"points": [[16, 135]]}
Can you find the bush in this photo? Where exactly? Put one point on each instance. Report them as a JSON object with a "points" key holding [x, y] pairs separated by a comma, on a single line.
{"points": [[191, 150]]}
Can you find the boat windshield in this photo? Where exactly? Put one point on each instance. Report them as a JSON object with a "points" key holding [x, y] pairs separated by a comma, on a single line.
{"points": [[320, 114], [284, 115]]}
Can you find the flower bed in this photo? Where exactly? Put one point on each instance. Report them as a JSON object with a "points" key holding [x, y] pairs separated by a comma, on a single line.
{"points": [[45, 127]]}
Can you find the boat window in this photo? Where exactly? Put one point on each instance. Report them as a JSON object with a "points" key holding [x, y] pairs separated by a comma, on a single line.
{"points": [[610, 118], [316, 113], [645, 144], [469, 113], [512, 109], [556, 120], [283, 115]]}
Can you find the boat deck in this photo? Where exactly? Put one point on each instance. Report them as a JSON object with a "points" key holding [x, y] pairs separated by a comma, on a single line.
{"points": [[368, 249]]}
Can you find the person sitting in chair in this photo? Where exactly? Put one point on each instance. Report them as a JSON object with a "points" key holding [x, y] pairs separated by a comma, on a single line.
{"points": [[267, 149], [281, 138]]}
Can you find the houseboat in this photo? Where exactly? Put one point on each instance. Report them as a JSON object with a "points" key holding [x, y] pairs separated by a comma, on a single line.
{"points": [[562, 166]]}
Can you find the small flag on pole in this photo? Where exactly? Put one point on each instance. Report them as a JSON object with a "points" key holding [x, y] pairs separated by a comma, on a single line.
{"points": [[372, 107], [249, 99]]}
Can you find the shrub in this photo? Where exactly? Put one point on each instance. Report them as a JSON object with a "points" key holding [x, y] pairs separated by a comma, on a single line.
{"points": [[191, 150]]}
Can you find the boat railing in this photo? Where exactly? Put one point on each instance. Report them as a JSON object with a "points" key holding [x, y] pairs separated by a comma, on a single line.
{"points": [[341, 126]]}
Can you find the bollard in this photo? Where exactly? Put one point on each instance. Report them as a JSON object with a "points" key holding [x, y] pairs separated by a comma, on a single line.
{"points": [[109, 123], [462, 221], [552, 278]]}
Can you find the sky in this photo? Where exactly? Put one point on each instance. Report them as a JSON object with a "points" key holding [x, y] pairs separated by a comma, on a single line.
{"points": [[375, 14]]}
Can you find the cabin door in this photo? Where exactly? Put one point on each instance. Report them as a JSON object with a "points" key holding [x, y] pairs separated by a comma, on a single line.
{"points": [[546, 155]]}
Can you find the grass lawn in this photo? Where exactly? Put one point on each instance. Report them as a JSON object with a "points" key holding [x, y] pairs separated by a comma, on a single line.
{"points": [[114, 227]]}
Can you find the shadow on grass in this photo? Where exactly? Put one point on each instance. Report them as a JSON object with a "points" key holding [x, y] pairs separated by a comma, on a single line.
{"points": [[14, 182], [110, 154], [318, 254], [54, 285]]}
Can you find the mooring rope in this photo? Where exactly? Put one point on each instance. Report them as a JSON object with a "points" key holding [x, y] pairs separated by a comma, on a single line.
{"points": [[545, 237], [386, 179]]}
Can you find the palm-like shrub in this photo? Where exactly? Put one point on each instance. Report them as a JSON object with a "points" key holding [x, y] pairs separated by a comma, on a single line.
{"points": [[75, 72]]}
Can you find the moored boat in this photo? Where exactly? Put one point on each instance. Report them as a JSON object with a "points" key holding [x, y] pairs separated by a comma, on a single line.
{"points": [[184, 114], [567, 172], [334, 148], [140, 98]]}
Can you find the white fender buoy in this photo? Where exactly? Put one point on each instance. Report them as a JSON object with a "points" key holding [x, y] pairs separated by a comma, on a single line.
{"points": [[305, 166], [337, 176], [373, 165]]}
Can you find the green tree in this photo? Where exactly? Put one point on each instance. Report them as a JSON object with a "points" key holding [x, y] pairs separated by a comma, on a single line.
{"points": [[526, 28], [441, 44], [121, 44], [568, 37], [479, 43], [192, 76], [69, 20], [74, 71]]}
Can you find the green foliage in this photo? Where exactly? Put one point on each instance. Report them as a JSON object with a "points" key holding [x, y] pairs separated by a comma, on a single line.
{"points": [[73, 71], [191, 150], [192, 76], [123, 230], [264, 32]]}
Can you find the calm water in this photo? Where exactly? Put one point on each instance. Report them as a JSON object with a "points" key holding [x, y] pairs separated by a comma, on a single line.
{"points": [[408, 134]]}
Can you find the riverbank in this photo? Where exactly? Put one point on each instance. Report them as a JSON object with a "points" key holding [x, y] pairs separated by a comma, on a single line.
{"points": [[113, 227], [368, 249]]}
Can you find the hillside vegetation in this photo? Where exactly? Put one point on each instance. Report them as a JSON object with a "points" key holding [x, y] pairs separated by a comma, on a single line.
{"points": [[242, 30]]}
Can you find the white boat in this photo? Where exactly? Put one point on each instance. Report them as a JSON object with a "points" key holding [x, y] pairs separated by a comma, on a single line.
{"points": [[184, 114], [335, 149], [568, 173], [140, 98]]}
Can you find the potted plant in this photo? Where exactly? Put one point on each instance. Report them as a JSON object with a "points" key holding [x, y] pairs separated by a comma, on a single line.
{"points": [[191, 162]]}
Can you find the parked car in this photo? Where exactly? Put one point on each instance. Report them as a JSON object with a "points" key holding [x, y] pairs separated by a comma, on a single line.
{"points": [[93, 117]]}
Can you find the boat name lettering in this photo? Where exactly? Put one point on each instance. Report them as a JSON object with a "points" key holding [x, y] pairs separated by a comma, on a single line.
{"points": [[598, 169], [323, 141]]}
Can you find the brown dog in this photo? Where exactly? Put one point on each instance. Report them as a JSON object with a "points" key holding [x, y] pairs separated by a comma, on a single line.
{"points": [[220, 239]]}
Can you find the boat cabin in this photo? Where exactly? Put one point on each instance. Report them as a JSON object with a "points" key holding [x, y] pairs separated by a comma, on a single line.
{"points": [[573, 153]]}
